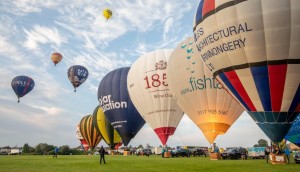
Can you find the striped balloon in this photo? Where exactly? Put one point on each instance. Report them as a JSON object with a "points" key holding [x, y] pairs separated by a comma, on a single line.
{"points": [[252, 48], [294, 133], [105, 129], [89, 132], [81, 139]]}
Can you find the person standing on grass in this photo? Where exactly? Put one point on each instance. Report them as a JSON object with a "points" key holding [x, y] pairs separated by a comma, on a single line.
{"points": [[102, 153], [56, 149], [267, 152]]}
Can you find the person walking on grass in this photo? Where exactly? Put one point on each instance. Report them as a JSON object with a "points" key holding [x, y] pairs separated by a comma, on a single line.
{"points": [[102, 153], [56, 149]]}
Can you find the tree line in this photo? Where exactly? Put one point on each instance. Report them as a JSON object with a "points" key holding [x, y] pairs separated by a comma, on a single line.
{"points": [[46, 149]]}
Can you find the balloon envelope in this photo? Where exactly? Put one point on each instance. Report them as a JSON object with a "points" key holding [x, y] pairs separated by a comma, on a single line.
{"points": [[56, 58], [149, 90], [22, 85], [294, 133], [107, 13], [89, 132], [106, 130], [199, 94], [117, 106], [77, 75], [252, 48], [81, 139]]}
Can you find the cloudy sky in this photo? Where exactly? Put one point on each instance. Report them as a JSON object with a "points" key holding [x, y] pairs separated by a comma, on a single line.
{"points": [[31, 30]]}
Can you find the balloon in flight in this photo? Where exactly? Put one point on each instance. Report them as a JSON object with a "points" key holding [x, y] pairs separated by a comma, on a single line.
{"points": [[199, 94], [56, 58], [22, 85], [252, 48], [77, 75], [107, 13], [149, 90]]}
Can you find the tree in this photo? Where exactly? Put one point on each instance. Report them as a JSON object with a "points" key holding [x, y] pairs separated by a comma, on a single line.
{"points": [[140, 146], [65, 150], [43, 148], [26, 148], [261, 143]]}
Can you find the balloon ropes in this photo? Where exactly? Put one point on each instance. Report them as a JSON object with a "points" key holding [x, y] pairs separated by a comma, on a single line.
{"points": [[83, 142], [22, 85], [77, 75], [254, 53], [107, 13], [199, 94], [150, 93], [117, 106], [56, 58], [106, 130], [89, 132]]}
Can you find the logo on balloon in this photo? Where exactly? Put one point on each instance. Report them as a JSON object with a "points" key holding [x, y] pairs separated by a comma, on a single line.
{"points": [[161, 65], [107, 104]]}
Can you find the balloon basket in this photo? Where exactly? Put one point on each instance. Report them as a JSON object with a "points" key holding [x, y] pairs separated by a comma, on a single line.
{"points": [[167, 154], [215, 156], [126, 153], [277, 159]]}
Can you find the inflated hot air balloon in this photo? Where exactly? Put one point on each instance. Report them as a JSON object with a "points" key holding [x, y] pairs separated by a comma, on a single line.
{"points": [[89, 132], [117, 106], [77, 75], [56, 58], [294, 133], [81, 139], [22, 85], [199, 94], [107, 13], [106, 130], [252, 48], [149, 90]]}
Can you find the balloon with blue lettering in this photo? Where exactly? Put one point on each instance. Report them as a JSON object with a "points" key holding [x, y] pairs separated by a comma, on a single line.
{"points": [[252, 48], [77, 75], [22, 85], [117, 106], [294, 133], [199, 94], [150, 92]]}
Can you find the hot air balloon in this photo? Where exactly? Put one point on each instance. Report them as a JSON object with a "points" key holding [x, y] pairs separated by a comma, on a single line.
{"points": [[106, 130], [252, 48], [81, 139], [149, 90], [294, 133], [89, 132], [22, 85], [117, 106], [107, 13], [199, 94], [56, 58], [77, 75]]}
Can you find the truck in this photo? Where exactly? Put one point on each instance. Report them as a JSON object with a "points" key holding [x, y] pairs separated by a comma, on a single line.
{"points": [[256, 152]]}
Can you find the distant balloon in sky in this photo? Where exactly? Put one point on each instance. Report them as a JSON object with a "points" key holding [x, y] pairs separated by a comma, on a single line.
{"points": [[77, 75], [252, 48], [83, 142], [89, 132], [56, 58], [294, 133], [117, 106], [199, 94], [149, 90], [107, 13], [106, 130], [22, 85]]}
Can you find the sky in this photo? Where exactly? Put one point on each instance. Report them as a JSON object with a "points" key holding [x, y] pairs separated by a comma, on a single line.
{"points": [[31, 30]]}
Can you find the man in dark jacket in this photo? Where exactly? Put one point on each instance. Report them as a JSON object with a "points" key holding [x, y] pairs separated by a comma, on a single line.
{"points": [[102, 153]]}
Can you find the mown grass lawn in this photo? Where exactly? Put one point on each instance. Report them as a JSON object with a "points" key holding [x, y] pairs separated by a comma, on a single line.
{"points": [[86, 163]]}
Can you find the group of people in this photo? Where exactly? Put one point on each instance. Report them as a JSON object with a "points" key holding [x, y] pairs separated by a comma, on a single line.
{"points": [[277, 151]]}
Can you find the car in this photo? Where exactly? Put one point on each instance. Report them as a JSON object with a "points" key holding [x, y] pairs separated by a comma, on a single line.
{"points": [[235, 153], [198, 151], [297, 157], [146, 152], [3, 153], [180, 153]]}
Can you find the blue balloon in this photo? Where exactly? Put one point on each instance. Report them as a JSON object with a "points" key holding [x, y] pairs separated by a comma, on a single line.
{"points": [[22, 85], [117, 106], [77, 75], [294, 133]]}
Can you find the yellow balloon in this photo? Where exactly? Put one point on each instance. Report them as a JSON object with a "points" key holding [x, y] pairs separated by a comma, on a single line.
{"points": [[107, 13]]}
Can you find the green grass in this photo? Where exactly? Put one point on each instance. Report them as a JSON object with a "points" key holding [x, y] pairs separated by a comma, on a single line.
{"points": [[83, 163]]}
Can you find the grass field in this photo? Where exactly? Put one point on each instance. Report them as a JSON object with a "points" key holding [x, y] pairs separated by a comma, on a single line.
{"points": [[85, 163]]}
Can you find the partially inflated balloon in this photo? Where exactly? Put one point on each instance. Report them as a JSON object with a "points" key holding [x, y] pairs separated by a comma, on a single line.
{"points": [[22, 85], [89, 132], [81, 139], [56, 58], [107, 13], [117, 106], [294, 133], [252, 48], [199, 94], [106, 130], [77, 75], [149, 90]]}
